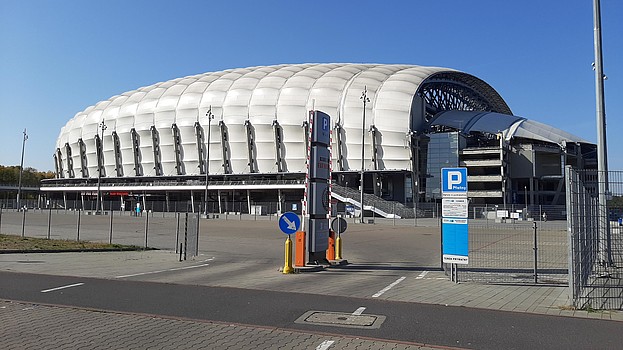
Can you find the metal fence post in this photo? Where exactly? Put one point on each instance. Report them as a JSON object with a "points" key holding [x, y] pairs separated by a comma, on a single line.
{"points": [[373, 214], [78, 228], [536, 278], [49, 221], [110, 231], [177, 232], [394, 213], [1, 218], [197, 245], [23, 222], [185, 235], [146, 228]]}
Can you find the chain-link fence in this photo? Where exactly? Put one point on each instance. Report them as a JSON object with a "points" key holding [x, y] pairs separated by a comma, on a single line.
{"points": [[179, 231], [515, 252], [595, 201], [396, 213]]}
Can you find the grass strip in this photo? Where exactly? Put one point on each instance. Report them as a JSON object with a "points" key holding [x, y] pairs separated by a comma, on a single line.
{"points": [[18, 243]]}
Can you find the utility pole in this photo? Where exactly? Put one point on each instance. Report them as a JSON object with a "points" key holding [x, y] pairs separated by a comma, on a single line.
{"points": [[21, 169], [365, 99], [525, 196], [207, 159], [100, 164], [605, 256]]}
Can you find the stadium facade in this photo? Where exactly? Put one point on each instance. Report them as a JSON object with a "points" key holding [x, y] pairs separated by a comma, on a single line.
{"points": [[246, 130]]}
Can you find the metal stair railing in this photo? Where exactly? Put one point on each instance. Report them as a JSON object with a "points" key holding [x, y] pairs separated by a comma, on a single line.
{"points": [[372, 202]]}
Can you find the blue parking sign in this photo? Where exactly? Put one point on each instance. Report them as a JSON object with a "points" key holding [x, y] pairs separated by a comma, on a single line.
{"points": [[454, 181]]}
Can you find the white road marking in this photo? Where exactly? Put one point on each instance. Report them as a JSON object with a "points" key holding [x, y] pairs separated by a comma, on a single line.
{"points": [[359, 311], [422, 275], [161, 271], [63, 287], [325, 345], [388, 287]]}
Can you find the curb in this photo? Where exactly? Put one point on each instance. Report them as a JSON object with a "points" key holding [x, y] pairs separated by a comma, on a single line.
{"points": [[85, 250]]}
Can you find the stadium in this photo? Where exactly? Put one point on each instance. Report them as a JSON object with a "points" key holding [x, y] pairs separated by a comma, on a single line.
{"points": [[246, 131]]}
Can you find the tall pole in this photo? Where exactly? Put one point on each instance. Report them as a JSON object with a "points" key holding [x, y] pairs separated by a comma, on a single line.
{"points": [[21, 169], [207, 159], [525, 199], [365, 99], [100, 164], [602, 154]]}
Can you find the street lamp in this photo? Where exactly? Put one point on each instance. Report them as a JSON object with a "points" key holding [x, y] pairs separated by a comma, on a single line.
{"points": [[21, 169], [525, 196], [207, 158], [365, 99], [100, 163]]}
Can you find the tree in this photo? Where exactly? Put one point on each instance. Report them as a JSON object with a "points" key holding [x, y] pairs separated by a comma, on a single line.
{"points": [[616, 202], [9, 175]]}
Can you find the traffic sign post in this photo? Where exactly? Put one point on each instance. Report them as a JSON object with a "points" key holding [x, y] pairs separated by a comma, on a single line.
{"points": [[289, 223], [338, 225], [454, 227]]}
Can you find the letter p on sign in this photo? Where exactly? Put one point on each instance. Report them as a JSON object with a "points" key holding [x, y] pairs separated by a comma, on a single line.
{"points": [[454, 178]]}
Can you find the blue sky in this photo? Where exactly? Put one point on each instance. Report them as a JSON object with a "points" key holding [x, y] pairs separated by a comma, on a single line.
{"points": [[59, 57]]}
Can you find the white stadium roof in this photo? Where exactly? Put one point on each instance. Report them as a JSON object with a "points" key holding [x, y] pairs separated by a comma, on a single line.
{"points": [[161, 129], [509, 125]]}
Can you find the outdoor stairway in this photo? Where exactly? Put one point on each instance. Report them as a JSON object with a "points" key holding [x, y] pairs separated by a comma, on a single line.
{"points": [[378, 205]]}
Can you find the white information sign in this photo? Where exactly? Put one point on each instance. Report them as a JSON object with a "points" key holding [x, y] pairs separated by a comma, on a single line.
{"points": [[454, 207]]}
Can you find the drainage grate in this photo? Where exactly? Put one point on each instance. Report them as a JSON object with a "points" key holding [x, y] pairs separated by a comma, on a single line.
{"points": [[339, 319]]}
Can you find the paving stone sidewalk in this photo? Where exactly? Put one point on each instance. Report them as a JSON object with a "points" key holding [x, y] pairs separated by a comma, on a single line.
{"points": [[31, 326]]}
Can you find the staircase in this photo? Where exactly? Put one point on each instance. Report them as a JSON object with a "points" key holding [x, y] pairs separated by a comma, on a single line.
{"points": [[384, 208]]}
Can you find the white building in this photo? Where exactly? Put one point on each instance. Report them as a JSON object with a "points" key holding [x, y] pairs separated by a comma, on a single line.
{"points": [[155, 139]]}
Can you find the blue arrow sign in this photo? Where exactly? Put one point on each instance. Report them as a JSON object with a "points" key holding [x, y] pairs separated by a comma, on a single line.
{"points": [[289, 223]]}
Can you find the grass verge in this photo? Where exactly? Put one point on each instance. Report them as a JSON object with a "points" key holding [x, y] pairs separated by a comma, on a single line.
{"points": [[18, 243]]}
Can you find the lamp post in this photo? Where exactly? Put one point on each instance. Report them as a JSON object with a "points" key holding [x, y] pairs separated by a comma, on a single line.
{"points": [[207, 158], [605, 248], [100, 164], [365, 99], [525, 196], [21, 169]]}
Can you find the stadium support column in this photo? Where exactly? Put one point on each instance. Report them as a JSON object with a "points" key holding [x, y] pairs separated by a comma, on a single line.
{"points": [[416, 179], [220, 203], [365, 99], [192, 201], [602, 155], [249, 201]]}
